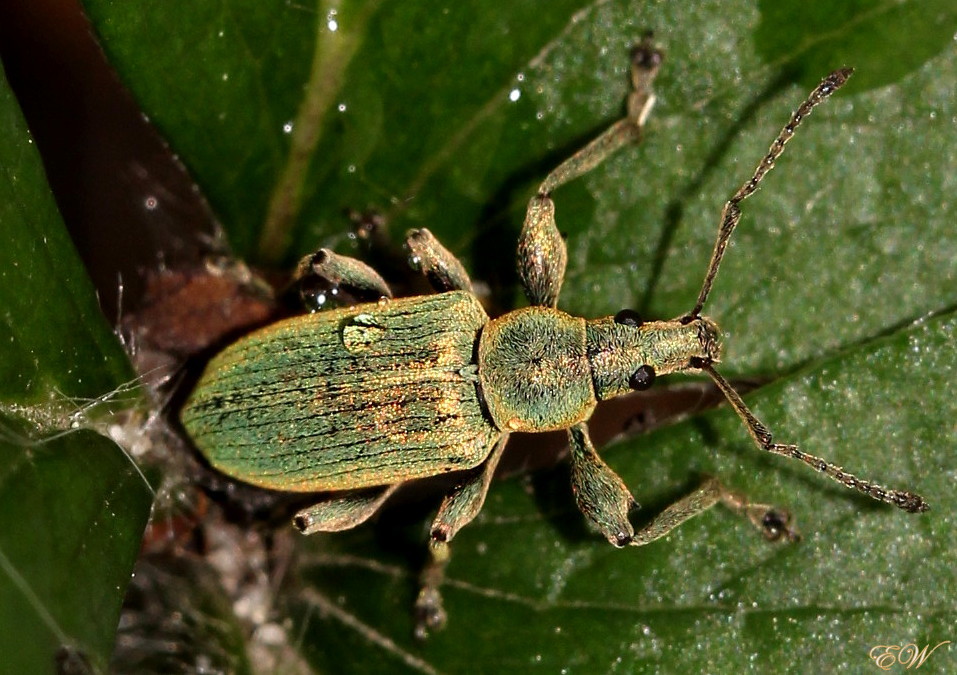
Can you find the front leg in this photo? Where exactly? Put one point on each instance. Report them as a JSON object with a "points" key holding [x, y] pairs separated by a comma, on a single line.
{"points": [[541, 253], [601, 495], [775, 524], [603, 498], [541, 249]]}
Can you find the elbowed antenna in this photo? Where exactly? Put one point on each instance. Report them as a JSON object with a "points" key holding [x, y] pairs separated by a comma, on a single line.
{"points": [[732, 213], [903, 499], [908, 501]]}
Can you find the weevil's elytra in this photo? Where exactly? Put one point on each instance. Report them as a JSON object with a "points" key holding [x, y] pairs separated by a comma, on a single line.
{"points": [[359, 400], [375, 384]]}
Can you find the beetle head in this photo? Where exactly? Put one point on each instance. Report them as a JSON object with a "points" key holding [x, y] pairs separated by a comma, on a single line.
{"points": [[627, 354]]}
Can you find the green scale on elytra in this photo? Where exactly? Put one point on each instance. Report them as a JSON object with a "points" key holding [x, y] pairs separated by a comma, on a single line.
{"points": [[349, 398], [359, 400]]}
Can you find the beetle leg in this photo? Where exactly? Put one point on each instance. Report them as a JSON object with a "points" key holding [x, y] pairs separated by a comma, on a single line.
{"points": [[605, 501], [458, 509], [335, 270], [541, 247], [600, 494], [541, 253], [441, 268], [342, 513], [774, 523]]}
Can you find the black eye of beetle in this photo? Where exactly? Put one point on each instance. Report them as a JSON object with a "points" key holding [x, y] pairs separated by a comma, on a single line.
{"points": [[642, 378], [628, 317]]}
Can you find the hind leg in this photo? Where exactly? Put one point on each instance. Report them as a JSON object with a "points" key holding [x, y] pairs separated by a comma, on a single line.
{"points": [[338, 513], [322, 273]]}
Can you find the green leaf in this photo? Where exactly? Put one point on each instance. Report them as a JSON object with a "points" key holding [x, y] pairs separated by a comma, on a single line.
{"points": [[447, 116], [816, 38], [420, 124], [73, 510], [72, 504], [54, 337]]}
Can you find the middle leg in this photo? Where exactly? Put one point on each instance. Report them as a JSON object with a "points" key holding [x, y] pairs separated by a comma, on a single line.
{"points": [[441, 268], [458, 509]]}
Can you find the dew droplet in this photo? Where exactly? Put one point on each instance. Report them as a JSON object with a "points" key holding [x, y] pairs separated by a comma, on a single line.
{"points": [[361, 332]]}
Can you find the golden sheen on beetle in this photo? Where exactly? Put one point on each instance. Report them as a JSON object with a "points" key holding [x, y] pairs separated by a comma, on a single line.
{"points": [[355, 401]]}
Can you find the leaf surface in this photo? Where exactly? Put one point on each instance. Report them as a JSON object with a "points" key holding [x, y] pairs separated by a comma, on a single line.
{"points": [[447, 117], [72, 504]]}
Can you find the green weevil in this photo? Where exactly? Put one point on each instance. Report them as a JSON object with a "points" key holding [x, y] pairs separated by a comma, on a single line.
{"points": [[358, 400]]}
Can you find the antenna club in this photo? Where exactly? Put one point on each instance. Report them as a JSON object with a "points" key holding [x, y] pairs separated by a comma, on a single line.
{"points": [[910, 502], [840, 76]]}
